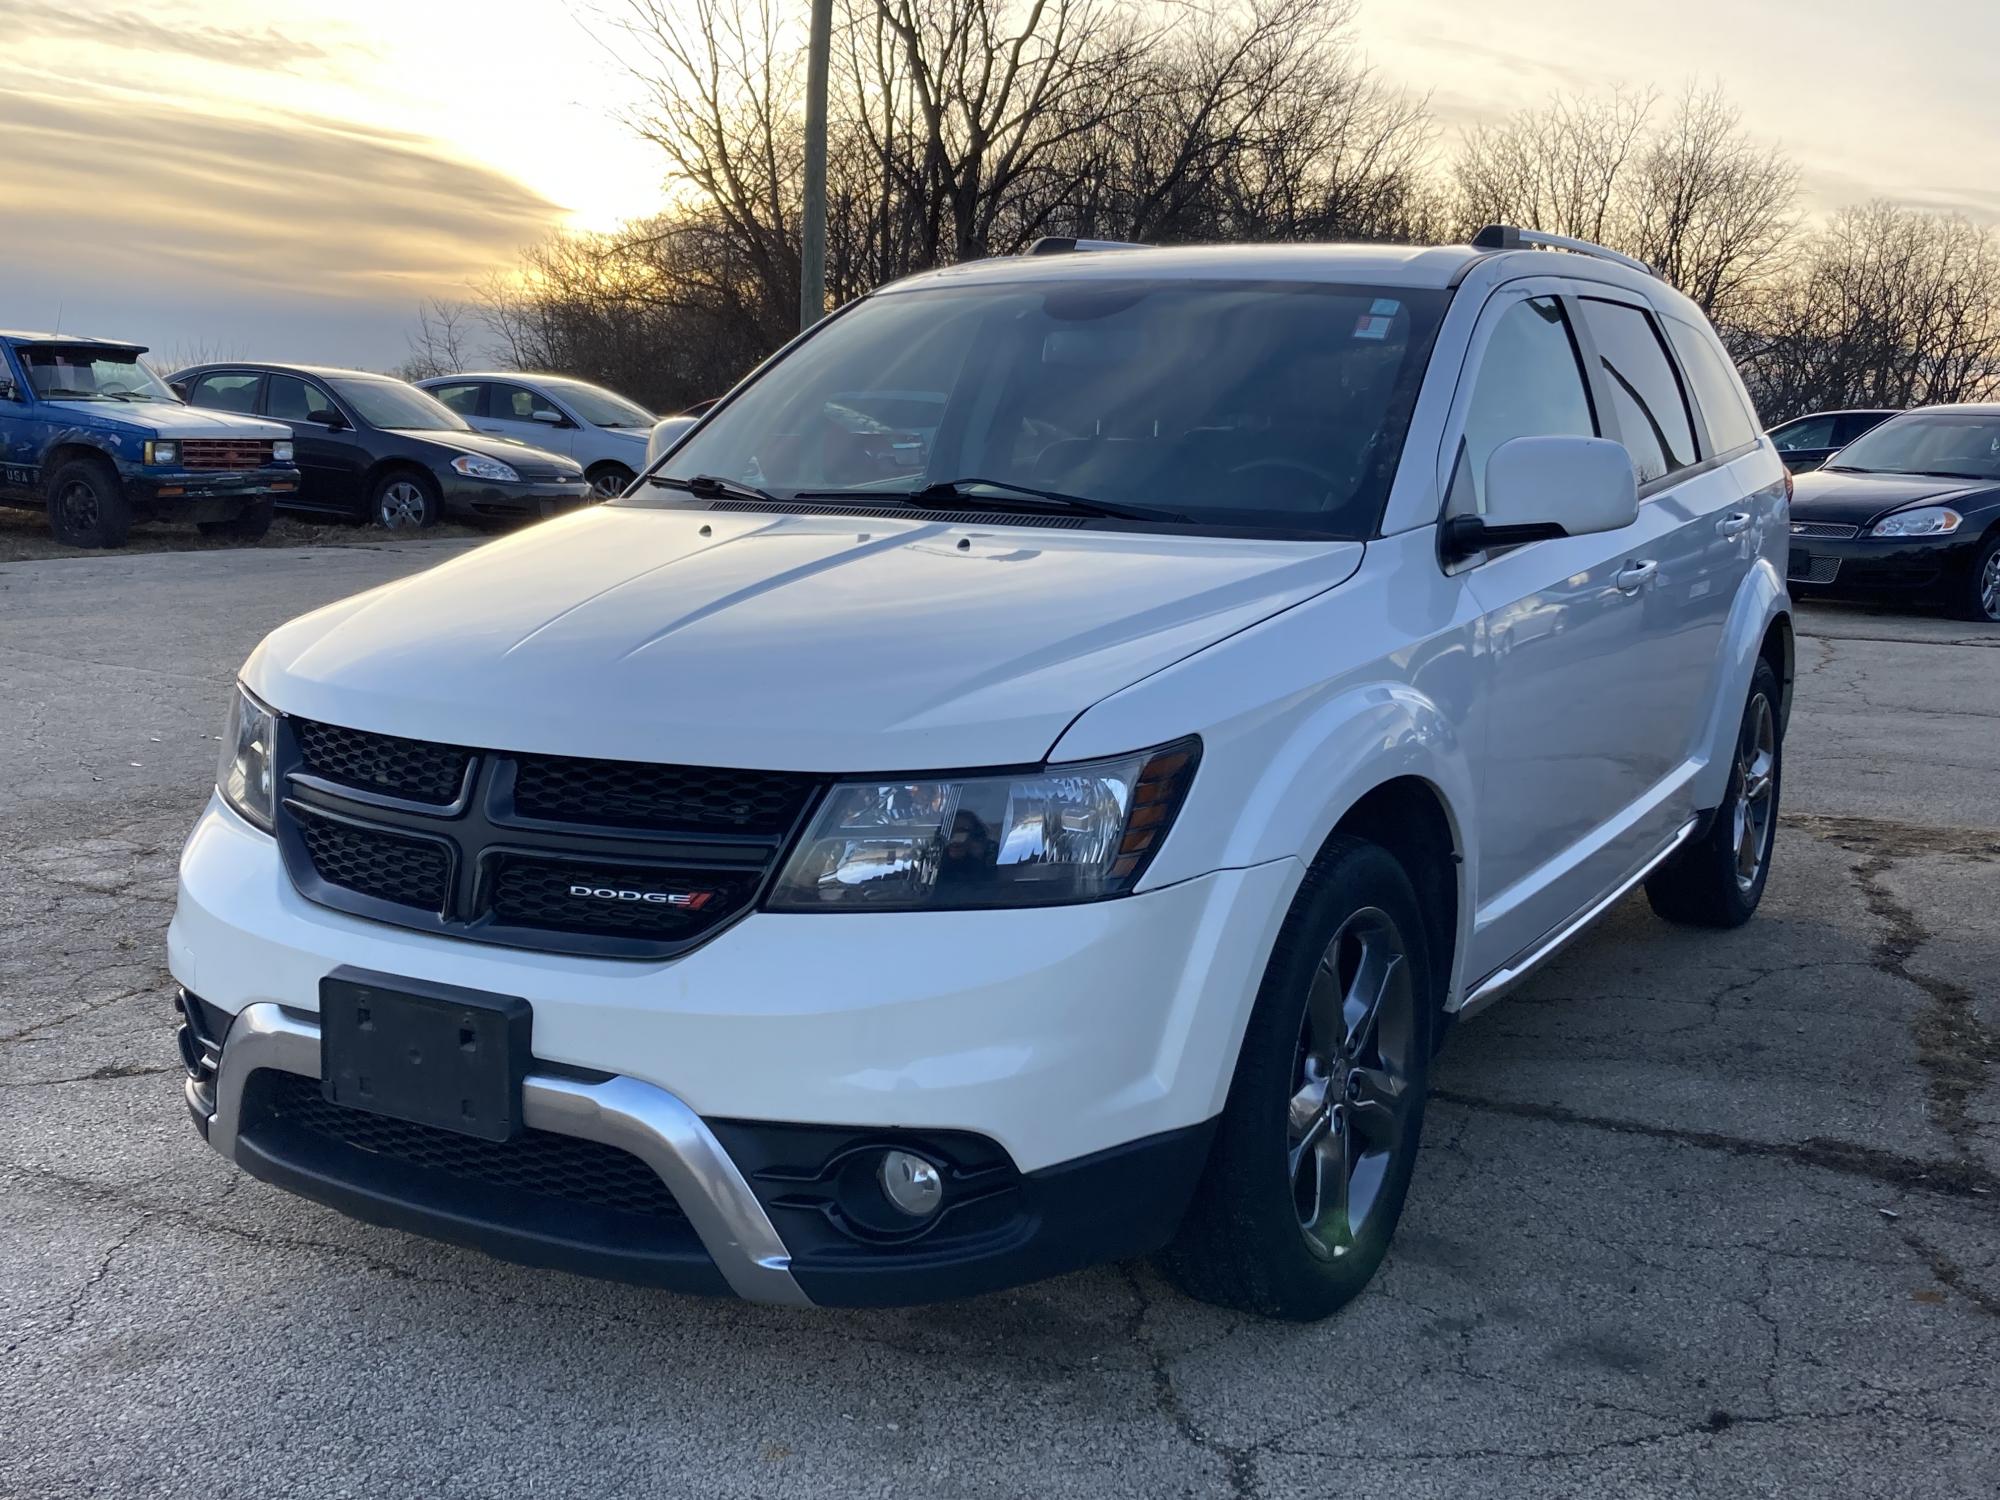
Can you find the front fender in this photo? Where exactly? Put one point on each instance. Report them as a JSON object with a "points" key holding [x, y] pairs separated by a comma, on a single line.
{"points": [[123, 450]]}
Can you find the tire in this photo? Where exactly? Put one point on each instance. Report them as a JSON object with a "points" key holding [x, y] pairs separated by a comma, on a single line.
{"points": [[87, 504], [247, 525], [1314, 1118], [608, 480], [1718, 880], [404, 500], [1979, 594]]}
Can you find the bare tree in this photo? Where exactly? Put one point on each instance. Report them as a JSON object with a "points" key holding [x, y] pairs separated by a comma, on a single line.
{"points": [[441, 342], [1562, 168]]}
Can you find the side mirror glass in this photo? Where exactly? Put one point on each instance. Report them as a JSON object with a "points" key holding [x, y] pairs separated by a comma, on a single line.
{"points": [[332, 421], [1543, 487], [553, 418]]}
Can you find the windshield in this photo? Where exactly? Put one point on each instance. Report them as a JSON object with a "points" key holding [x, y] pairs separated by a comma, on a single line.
{"points": [[1957, 444], [398, 407], [86, 374], [599, 407], [1268, 406]]}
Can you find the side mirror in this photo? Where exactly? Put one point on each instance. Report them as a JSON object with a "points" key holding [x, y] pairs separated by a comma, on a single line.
{"points": [[544, 414], [8, 390], [1538, 488], [179, 388], [332, 421]]}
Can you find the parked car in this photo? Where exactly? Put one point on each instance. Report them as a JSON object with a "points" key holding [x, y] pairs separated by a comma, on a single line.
{"points": [[1911, 511], [600, 429], [93, 436], [840, 884], [1804, 443], [371, 447]]}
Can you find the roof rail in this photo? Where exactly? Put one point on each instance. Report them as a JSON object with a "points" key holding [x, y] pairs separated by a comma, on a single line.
{"points": [[1058, 244], [1507, 237]]}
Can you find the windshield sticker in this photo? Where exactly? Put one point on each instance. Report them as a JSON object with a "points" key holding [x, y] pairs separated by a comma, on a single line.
{"points": [[1374, 324]]}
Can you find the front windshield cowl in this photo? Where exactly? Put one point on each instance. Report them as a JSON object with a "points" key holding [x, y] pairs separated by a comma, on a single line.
{"points": [[1267, 408]]}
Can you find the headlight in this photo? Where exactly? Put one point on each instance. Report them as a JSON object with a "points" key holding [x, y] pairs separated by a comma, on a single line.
{"points": [[1925, 520], [244, 774], [479, 466], [163, 452], [1065, 833], [281, 453]]}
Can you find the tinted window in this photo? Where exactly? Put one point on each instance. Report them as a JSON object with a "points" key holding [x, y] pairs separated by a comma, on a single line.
{"points": [[516, 403], [1530, 384], [1807, 432], [463, 399], [1645, 392], [225, 392], [1242, 404], [1956, 445], [1731, 422], [291, 399], [605, 408], [1850, 425]]}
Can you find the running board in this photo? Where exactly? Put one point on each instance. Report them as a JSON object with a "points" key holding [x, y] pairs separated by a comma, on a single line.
{"points": [[1503, 979]]}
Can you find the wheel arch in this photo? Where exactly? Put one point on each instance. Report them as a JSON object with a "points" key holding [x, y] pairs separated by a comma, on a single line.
{"points": [[395, 463], [1410, 817]]}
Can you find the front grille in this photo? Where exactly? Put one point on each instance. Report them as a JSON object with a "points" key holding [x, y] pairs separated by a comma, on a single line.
{"points": [[1807, 568], [225, 453], [376, 863], [635, 795], [616, 859], [536, 1161], [383, 762], [1832, 531]]}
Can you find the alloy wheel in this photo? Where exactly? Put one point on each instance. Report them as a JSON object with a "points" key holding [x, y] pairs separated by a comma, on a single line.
{"points": [[1353, 1095], [608, 485], [1756, 764], [403, 505], [1989, 586]]}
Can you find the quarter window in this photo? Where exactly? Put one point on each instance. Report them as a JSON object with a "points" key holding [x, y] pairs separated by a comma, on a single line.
{"points": [[1530, 384], [1731, 422], [236, 392], [1645, 393]]}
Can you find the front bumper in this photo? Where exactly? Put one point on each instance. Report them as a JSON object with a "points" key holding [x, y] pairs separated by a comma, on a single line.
{"points": [[1880, 565], [1063, 1063], [206, 495], [535, 498]]}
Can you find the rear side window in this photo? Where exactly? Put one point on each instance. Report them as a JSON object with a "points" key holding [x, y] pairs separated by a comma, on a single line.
{"points": [[1530, 384], [1804, 434], [1645, 393], [1732, 421], [225, 392], [463, 399]]}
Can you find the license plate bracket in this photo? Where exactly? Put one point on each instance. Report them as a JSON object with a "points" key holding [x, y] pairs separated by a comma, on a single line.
{"points": [[431, 1054]]}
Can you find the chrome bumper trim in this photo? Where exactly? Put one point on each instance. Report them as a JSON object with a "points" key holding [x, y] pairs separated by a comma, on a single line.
{"points": [[647, 1121]]}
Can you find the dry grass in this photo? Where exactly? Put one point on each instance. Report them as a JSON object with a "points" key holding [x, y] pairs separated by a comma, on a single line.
{"points": [[24, 536]]}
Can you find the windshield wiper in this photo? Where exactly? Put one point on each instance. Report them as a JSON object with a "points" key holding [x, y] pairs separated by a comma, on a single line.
{"points": [[1020, 497], [714, 487], [63, 393]]}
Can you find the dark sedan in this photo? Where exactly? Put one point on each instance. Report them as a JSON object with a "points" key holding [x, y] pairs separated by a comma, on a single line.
{"points": [[1909, 511], [1804, 443], [376, 448]]}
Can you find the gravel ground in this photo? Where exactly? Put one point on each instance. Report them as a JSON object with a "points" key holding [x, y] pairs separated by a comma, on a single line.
{"points": [[1697, 1215]]}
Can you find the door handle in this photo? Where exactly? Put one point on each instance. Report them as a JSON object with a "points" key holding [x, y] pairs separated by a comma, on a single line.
{"points": [[1733, 523], [1634, 576]]}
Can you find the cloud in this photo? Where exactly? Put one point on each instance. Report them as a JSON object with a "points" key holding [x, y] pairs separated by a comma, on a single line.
{"points": [[262, 47]]}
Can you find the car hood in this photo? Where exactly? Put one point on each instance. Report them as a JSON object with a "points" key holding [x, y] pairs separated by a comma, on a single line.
{"points": [[170, 419], [507, 450], [781, 643], [1857, 499]]}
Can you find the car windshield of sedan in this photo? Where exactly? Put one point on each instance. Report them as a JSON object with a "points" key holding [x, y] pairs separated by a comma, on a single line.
{"points": [[1273, 407], [86, 374], [601, 408], [1951, 445], [398, 407]]}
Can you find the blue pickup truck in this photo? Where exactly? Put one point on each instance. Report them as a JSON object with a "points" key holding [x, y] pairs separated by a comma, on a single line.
{"points": [[87, 431]]}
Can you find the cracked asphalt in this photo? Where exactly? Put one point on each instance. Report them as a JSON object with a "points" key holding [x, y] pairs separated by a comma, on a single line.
{"points": [[1697, 1214]]}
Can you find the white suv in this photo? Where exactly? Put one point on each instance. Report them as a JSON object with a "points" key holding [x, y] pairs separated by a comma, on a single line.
{"points": [[1028, 781]]}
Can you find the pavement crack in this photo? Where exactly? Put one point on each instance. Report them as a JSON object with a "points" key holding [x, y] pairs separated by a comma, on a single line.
{"points": [[1952, 1177], [1949, 1274], [96, 1075], [1239, 1460]]}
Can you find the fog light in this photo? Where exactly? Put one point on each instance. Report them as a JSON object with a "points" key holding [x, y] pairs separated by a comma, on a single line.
{"points": [[910, 1183]]}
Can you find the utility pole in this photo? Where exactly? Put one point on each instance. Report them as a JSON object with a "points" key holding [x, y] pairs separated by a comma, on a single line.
{"points": [[812, 229]]}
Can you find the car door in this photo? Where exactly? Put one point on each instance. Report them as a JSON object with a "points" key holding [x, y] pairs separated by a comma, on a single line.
{"points": [[1565, 768], [527, 416], [20, 451], [333, 457]]}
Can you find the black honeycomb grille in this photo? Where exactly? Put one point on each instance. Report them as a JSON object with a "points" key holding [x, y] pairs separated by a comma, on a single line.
{"points": [[375, 862], [406, 768], [543, 894], [636, 795], [537, 1161]]}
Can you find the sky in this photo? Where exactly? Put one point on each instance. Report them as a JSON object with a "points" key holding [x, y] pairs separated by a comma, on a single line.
{"points": [[244, 178]]}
